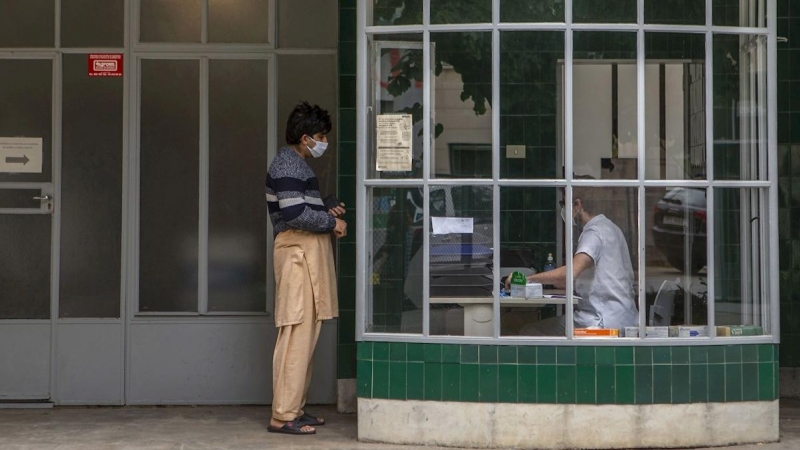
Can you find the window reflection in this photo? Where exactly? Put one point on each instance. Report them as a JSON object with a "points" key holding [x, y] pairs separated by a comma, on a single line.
{"points": [[462, 117], [675, 97], [676, 289], [396, 239], [739, 305], [461, 279]]}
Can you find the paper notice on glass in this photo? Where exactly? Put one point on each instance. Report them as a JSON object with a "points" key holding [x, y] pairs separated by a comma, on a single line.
{"points": [[21, 155], [452, 225], [394, 142]]}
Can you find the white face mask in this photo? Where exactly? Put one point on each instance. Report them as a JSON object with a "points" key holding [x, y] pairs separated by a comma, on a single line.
{"points": [[319, 148], [564, 217]]}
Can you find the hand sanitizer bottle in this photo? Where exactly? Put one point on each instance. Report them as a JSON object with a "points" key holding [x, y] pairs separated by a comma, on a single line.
{"points": [[549, 265]]}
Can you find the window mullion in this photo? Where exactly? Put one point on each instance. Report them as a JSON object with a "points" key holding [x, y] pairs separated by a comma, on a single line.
{"points": [[426, 166], [202, 266], [710, 222]]}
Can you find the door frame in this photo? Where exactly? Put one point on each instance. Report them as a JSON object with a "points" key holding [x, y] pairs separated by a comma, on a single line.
{"points": [[54, 188]]}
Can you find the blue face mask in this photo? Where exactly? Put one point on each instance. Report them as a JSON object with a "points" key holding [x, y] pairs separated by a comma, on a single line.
{"points": [[318, 149]]}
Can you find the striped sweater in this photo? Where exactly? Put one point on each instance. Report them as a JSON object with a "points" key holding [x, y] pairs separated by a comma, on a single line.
{"points": [[293, 197]]}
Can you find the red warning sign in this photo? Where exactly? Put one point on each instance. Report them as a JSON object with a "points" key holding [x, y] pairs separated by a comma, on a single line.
{"points": [[105, 65]]}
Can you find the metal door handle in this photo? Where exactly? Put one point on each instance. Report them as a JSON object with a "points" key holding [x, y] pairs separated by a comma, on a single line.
{"points": [[43, 197]]}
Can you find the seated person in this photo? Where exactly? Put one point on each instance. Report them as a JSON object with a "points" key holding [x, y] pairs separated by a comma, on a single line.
{"points": [[602, 272]]}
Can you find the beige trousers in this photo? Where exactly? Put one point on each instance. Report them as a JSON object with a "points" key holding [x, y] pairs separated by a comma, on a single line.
{"points": [[293, 362]]}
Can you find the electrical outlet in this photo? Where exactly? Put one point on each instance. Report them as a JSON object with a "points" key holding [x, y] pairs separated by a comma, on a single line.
{"points": [[515, 151]]}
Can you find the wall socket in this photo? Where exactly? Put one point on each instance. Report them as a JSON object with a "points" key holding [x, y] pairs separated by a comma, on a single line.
{"points": [[515, 151]]}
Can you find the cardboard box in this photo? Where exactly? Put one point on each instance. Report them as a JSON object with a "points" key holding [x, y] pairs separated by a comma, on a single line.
{"points": [[686, 331], [740, 330], [534, 290], [651, 332], [596, 332]]}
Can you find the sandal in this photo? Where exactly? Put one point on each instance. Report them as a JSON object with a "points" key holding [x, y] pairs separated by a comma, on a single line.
{"points": [[308, 419], [294, 427]]}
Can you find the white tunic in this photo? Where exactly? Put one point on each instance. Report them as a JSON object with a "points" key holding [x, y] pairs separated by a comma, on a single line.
{"points": [[606, 288]]}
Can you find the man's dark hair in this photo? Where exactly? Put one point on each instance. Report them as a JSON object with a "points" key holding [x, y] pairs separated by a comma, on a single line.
{"points": [[306, 119]]}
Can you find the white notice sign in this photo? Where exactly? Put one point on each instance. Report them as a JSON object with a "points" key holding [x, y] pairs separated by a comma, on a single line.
{"points": [[452, 225], [20, 155], [394, 142]]}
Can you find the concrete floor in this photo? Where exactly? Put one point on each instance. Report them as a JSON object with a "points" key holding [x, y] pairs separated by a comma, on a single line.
{"points": [[223, 427]]}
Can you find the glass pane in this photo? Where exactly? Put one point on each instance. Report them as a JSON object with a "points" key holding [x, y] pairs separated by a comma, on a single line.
{"points": [[532, 11], [237, 227], [26, 109], [322, 35], [675, 106], [396, 235], [461, 11], [605, 130], [245, 21], [530, 230], [675, 270], [170, 20], [604, 11], [740, 107], [91, 193], [29, 23], [739, 13], [397, 12], [20, 198], [529, 96], [397, 88], [605, 236], [25, 266], [462, 99], [169, 147], [740, 309], [461, 280], [675, 12], [319, 87], [93, 23]]}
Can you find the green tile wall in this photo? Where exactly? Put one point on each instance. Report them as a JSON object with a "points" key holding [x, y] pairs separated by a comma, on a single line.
{"points": [[346, 251], [567, 375], [789, 179]]}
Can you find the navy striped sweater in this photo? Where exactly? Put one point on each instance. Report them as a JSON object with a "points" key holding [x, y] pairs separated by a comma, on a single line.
{"points": [[293, 197]]}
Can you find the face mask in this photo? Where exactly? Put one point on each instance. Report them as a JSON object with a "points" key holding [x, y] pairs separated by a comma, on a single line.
{"points": [[319, 148], [564, 217]]}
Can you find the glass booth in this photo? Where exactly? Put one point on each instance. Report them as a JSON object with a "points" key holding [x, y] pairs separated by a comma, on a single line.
{"points": [[481, 121]]}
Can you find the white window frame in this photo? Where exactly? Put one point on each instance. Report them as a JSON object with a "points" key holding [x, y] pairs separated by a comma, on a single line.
{"points": [[768, 163]]}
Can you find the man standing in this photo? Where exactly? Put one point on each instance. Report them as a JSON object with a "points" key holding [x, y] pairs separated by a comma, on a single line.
{"points": [[305, 275]]}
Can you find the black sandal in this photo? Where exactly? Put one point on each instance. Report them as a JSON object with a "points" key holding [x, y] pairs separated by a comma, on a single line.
{"points": [[308, 419], [294, 427]]}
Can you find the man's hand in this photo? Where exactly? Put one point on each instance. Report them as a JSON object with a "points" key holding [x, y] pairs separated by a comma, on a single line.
{"points": [[508, 282], [337, 211], [340, 230]]}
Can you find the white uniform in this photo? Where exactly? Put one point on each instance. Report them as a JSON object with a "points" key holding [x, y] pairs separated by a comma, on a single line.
{"points": [[606, 288]]}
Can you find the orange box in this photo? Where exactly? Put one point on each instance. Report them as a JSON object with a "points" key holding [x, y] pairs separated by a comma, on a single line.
{"points": [[596, 332]]}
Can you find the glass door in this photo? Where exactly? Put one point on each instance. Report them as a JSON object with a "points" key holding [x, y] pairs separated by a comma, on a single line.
{"points": [[26, 225]]}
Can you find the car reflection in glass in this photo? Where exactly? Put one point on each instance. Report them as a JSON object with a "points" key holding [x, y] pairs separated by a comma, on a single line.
{"points": [[678, 216]]}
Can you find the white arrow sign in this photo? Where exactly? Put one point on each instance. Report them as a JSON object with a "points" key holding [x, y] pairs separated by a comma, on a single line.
{"points": [[20, 155]]}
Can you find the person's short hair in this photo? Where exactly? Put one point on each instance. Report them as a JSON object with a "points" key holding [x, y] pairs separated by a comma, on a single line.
{"points": [[306, 119], [587, 195]]}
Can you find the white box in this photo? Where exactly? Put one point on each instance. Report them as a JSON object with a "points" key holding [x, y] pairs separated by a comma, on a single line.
{"points": [[534, 290], [651, 332], [518, 290], [686, 331]]}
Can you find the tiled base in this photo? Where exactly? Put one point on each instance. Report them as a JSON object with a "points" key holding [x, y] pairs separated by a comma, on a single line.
{"points": [[568, 375], [486, 425]]}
